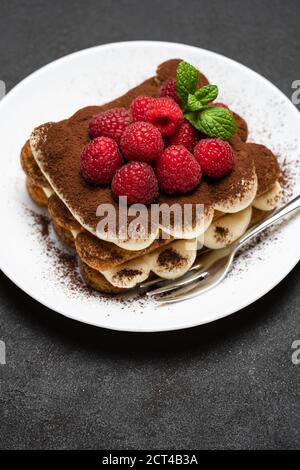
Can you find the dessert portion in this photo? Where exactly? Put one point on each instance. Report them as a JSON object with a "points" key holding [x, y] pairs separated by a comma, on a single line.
{"points": [[165, 142]]}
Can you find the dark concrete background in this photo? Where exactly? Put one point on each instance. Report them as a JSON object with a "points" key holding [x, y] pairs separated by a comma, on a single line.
{"points": [[230, 384]]}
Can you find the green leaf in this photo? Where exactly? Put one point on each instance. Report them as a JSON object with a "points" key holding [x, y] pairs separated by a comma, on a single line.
{"points": [[193, 118], [213, 121], [217, 122], [193, 104], [207, 93], [186, 81]]}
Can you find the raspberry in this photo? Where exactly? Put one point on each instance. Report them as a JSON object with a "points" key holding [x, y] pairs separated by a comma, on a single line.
{"points": [[186, 135], [177, 170], [110, 123], [168, 89], [215, 157], [137, 181], [138, 107], [165, 114], [100, 159], [141, 141]]}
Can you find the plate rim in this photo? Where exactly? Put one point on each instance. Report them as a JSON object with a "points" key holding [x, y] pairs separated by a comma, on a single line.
{"points": [[141, 43]]}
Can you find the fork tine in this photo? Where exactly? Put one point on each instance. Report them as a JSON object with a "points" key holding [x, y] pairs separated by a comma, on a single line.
{"points": [[151, 282], [159, 280], [188, 291], [178, 283], [195, 287]]}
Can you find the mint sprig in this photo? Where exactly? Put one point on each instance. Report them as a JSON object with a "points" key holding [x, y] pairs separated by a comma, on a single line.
{"points": [[193, 104], [186, 81], [214, 121], [207, 93]]}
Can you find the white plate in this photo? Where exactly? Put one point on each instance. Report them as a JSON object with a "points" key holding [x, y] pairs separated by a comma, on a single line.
{"points": [[97, 75]]}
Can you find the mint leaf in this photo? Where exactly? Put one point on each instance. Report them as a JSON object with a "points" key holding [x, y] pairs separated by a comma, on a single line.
{"points": [[217, 122], [186, 81], [207, 93], [193, 118], [202, 97], [193, 104], [213, 121]]}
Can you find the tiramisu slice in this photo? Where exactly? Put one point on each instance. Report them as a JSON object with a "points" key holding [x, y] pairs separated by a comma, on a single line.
{"points": [[166, 143]]}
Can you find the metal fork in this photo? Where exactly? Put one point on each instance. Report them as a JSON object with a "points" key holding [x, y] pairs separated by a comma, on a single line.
{"points": [[213, 265]]}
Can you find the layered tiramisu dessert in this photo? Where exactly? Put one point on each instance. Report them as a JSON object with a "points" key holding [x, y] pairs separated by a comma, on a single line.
{"points": [[139, 185]]}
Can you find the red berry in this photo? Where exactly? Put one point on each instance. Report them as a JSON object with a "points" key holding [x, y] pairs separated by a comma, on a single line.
{"points": [[141, 141], [110, 123], [138, 107], [177, 170], [100, 159], [165, 114], [168, 89], [137, 182], [186, 135], [215, 157]]}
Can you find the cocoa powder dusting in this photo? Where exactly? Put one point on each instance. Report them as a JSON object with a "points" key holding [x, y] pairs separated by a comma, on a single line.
{"points": [[127, 274], [42, 223], [170, 259], [266, 166], [288, 175], [66, 264], [221, 233]]}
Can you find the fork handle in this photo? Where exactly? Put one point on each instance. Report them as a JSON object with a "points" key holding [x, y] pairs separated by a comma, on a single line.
{"points": [[261, 226]]}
